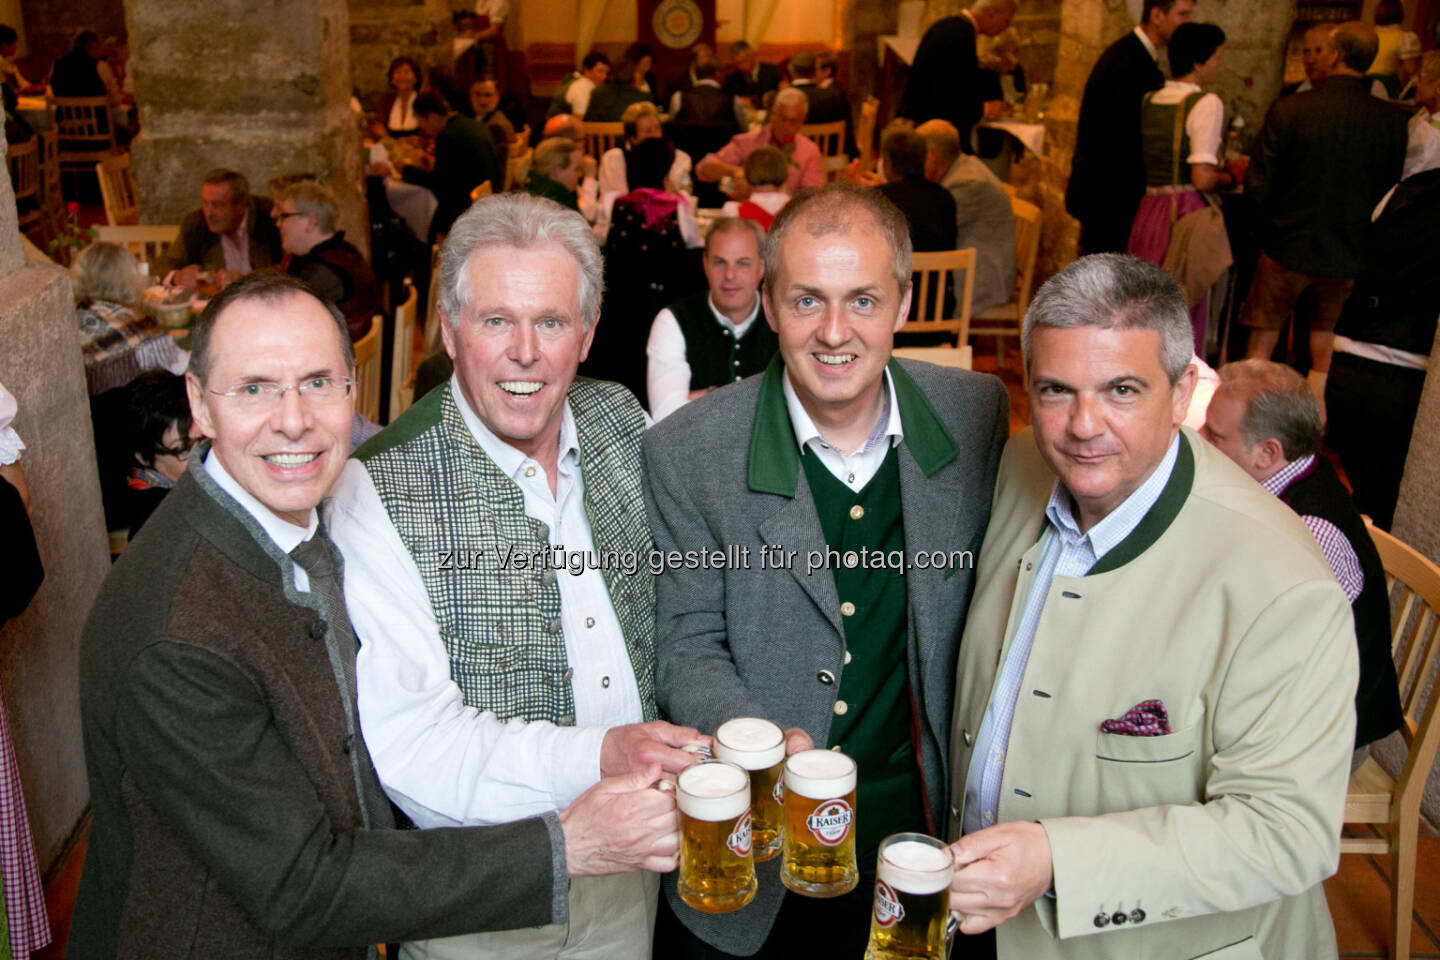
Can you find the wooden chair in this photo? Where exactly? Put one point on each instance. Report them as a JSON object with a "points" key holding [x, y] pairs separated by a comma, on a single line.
{"points": [[931, 270], [53, 197], [1392, 805], [367, 372], [145, 242], [86, 134], [865, 132], [600, 137], [24, 162], [432, 316], [1005, 320], [829, 137], [516, 169], [402, 378], [945, 356], [117, 189], [482, 189]]}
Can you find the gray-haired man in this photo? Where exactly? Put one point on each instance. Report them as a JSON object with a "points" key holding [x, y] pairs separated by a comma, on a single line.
{"points": [[1153, 716], [497, 571]]}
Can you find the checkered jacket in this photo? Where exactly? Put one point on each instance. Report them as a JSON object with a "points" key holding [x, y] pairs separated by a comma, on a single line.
{"points": [[501, 627]]}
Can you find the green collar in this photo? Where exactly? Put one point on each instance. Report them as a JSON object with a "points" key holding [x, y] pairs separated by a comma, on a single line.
{"points": [[1158, 518], [775, 455]]}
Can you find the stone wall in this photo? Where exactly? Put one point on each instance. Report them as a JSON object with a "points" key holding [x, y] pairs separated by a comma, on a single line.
{"points": [[381, 30], [270, 98]]}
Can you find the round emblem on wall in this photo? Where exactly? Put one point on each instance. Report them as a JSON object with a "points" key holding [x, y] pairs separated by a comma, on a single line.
{"points": [[678, 23]]}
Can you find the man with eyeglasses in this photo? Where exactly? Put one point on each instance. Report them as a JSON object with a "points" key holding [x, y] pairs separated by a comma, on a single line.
{"points": [[307, 214], [236, 811]]}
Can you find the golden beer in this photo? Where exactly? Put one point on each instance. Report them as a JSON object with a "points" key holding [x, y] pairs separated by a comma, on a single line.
{"points": [[759, 747], [912, 899], [717, 873], [819, 840]]}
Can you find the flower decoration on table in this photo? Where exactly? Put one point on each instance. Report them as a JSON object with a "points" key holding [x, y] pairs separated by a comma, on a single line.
{"points": [[71, 237]]}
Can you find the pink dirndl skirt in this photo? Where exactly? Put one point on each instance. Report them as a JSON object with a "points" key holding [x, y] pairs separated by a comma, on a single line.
{"points": [[1150, 239]]}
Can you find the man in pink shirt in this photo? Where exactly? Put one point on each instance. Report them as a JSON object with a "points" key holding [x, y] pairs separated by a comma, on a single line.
{"points": [[787, 115]]}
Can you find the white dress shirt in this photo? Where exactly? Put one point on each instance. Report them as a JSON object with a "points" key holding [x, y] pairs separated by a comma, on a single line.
{"points": [[1149, 47], [854, 469], [667, 371], [1065, 552], [445, 763], [287, 535], [578, 96]]}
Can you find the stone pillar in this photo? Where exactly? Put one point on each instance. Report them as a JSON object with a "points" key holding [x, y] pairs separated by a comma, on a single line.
{"points": [[39, 669], [381, 30], [262, 88], [1417, 522]]}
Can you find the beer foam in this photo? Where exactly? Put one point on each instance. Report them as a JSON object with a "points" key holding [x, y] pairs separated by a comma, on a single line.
{"points": [[820, 774], [915, 867], [751, 742], [713, 791]]}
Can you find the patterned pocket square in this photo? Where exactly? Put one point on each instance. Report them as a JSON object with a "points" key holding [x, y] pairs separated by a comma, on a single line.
{"points": [[1146, 719]]}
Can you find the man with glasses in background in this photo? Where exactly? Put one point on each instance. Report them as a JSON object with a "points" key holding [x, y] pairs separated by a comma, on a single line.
{"points": [[236, 811]]}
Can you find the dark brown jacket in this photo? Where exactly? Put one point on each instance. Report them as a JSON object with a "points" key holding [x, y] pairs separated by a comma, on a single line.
{"points": [[227, 771]]}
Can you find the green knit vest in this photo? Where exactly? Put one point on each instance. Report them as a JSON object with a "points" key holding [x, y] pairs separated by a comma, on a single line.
{"points": [[462, 520], [1157, 140], [875, 727]]}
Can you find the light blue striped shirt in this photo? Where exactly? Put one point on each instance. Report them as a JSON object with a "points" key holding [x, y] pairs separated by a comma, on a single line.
{"points": [[1069, 553]]}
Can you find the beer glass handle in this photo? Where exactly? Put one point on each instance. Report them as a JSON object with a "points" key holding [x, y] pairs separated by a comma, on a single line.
{"points": [[952, 925]]}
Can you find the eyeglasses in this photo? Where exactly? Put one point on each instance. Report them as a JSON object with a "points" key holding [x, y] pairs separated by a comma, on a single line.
{"points": [[181, 452], [265, 395], [281, 215]]}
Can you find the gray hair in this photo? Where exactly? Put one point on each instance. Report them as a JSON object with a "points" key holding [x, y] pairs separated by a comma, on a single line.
{"points": [[736, 225], [1112, 290], [1278, 404], [314, 199], [525, 222], [840, 208], [104, 271], [791, 97]]}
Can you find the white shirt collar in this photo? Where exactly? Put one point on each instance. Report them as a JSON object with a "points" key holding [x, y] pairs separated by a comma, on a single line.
{"points": [[1119, 523], [1149, 47], [806, 431], [510, 460], [739, 329], [287, 535]]}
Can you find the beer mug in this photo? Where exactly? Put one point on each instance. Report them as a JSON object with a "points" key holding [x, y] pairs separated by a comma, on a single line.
{"points": [[717, 874], [819, 844], [912, 899], [758, 746]]}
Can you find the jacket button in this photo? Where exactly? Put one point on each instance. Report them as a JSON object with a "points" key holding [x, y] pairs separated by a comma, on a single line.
{"points": [[568, 720], [1102, 920], [848, 658], [1120, 918], [1137, 915], [968, 737], [955, 812], [317, 629], [568, 674], [605, 682], [553, 626], [547, 578], [589, 622], [841, 707], [847, 609], [825, 677], [856, 512]]}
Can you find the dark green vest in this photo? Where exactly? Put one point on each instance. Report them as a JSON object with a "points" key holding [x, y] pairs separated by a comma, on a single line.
{"points": [[875, 727], [714, 355], [1157, 141]]}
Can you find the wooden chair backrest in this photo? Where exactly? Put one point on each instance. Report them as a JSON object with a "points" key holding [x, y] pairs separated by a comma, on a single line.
{"points": [[24, 162], [432, 316], [600, 137], [117, 189], [367, 372], [829, 137], [84, 124], [928, 292], [1027, 246], [865, 132], [403, 356], [147, 243], [516, 167], [959, 358]]}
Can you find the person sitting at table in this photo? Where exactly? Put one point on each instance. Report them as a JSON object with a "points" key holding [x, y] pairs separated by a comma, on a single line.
{"points": [[643, 56], [9, 70], [651, 260], [555, 172], [609, 101], [158, 434], [396, 114], [1197, 51], [787, 116], [231, 234], [464, 158], [766, 171], [319, 254], [77, 73], [485, 106], [750, 78], [573, 94], [118, 339], [641, 122], [827, 104]]}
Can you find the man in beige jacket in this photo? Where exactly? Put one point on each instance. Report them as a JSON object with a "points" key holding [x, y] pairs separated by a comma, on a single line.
{"points": [[1154, 715]]}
